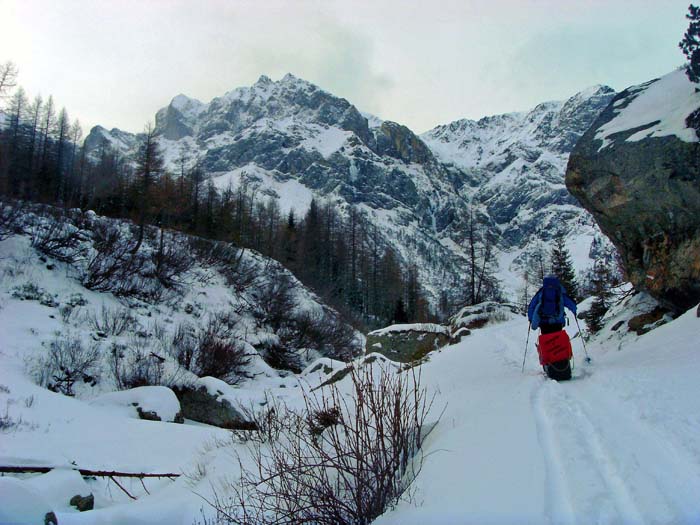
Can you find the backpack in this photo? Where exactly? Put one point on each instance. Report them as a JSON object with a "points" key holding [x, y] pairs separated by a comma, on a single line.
{"points": [[551, 307]]}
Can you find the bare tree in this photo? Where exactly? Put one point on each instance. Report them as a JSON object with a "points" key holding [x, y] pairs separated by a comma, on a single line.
{"points": [[8, 77]]}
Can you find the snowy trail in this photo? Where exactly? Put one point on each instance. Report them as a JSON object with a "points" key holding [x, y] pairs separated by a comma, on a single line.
{"points": [[619, 444]]}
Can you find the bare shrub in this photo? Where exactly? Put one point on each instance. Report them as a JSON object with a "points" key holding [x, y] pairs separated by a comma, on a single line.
{"points": [[10, 218], [136, 365], [116, 264], [218, 353], [323, 332], [68, 361], [241, 274], [267, 425], [110, 321], [8, 423], [275, 300], [171, 261], [210, 350], [357, 460], [215, 253], [320, 420], [58, 238], [182, 345], [281, 355]]}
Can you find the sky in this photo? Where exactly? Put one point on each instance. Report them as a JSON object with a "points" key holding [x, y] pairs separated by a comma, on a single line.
{"points": [[420, 63]]}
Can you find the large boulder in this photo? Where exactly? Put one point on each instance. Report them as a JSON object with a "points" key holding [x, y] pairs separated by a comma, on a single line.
{"points": [[479, 315], [637, 170], [407, 342], [211, 401]]}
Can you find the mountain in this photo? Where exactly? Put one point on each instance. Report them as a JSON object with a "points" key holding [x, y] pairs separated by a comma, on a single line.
{"points": [[291, 140], [512, 165]]}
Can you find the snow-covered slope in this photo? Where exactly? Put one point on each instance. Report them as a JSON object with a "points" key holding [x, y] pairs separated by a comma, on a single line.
{"points": [[291, 140], [658, 108], [620, 443]]}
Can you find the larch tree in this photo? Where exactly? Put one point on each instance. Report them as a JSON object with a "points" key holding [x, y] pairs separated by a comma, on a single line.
{"points": [[8, 78]]}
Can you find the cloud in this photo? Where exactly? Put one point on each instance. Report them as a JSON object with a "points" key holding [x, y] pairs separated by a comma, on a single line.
{"points": [[337, 58]]}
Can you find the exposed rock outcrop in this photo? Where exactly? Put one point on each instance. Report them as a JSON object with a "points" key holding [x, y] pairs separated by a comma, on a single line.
{"points": [[408, 342], [206, 402], [637, 170]]}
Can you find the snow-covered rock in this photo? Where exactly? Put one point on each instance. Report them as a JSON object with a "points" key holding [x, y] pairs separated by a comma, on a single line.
{"points": [[22, 504], [479, 315], [407, 342], [214, 402], [156, 403], [636, 171]]}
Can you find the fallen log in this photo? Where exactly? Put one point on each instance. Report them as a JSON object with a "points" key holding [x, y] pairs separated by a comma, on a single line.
{"points": [[86, 472]]}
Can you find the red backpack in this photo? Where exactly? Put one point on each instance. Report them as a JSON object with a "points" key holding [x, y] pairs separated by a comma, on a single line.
{"points": [[554, 347]]}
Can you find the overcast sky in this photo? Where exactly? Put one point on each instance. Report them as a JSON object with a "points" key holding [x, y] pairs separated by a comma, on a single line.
{"points": [[421, 63]]}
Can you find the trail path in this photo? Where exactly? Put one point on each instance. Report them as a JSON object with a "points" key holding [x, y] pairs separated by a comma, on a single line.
{"points": [[616, 445]]}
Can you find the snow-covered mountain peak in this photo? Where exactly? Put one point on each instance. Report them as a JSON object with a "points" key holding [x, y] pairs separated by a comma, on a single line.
{"points": [[184, 103]]}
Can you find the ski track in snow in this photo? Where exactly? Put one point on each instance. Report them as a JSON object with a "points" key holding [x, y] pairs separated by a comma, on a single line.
{"points": [[619, 469], [617, 445]]}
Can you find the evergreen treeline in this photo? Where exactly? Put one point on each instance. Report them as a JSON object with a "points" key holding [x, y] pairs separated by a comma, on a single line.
{"points": [[339, 255]]}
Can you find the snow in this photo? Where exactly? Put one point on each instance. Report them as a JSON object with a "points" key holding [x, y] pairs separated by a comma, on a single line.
{"points": [[326, 140], [617, 444], [21, 504], [158, 399], [414, 327], [660, 106], [290, 193], [620, 443]]}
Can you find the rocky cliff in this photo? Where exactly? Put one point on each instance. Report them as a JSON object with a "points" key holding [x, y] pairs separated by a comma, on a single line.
{"points": [[637, 170]]}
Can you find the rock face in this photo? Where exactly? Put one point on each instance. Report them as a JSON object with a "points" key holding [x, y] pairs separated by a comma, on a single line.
{"points": [[637, 170]]}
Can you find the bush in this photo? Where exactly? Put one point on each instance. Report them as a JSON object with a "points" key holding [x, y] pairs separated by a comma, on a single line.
{"points": [[68, 361], [135, 365], [218, 354], [10, 215], [58, 238], [275, 300], [110, 321], [215, 253], [344, 462], [171, 261], [211, 350], [323, 332]]}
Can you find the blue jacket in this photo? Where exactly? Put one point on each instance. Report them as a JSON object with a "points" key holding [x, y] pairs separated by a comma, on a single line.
{"points": [[533, 310]]}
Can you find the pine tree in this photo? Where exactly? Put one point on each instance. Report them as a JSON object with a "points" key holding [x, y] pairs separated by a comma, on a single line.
{"points": [[601, 283], [690, 45], [563, 268]]}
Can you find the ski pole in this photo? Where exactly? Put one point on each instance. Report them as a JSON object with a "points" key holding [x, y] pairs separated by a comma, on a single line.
{"points": [[588, 359], [526, 343]]}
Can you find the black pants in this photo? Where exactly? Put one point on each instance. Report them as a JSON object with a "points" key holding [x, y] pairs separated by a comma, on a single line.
{"points": [[551, 328]]}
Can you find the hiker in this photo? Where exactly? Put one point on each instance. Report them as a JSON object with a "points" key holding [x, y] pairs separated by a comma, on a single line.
{"points": [[546, 312]]}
